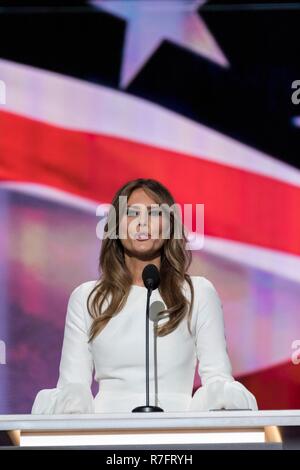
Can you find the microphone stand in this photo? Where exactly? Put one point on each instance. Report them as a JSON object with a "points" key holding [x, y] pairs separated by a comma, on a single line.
{"points": [[147, 408], [155, 361]]}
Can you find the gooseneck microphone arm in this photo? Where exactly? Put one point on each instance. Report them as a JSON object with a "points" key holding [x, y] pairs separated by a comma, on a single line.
{"points": [[149, 292], [151, 280]]}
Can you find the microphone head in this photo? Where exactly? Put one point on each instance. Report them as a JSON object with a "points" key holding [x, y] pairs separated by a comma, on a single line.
{"points": [[151, 277], [155, 311]]}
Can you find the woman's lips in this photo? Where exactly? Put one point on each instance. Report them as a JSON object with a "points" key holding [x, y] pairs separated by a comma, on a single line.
{"points": [[142, 236]]}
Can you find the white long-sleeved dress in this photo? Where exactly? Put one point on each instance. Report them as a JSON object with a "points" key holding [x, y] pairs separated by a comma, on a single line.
{"points": [[117, 357]]}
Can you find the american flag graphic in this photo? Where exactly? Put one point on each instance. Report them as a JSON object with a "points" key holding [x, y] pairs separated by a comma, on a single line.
{"points": [[194, 94]]}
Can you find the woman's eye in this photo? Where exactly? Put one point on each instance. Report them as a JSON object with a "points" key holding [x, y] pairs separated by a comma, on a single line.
{"points": [[155, 212], [135, 212], [132, 212]]}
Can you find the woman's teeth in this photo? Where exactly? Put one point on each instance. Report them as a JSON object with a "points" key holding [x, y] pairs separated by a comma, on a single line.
{"points": [[142, 236]]}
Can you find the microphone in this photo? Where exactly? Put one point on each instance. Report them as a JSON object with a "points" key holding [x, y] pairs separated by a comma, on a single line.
{"points": [[151, 279], [155, 311]]}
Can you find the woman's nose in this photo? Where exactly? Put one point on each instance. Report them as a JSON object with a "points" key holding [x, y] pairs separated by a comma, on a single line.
{"points": [[143, 223], [143, 220]]}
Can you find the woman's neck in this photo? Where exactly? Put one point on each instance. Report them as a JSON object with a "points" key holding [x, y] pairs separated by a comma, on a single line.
{"points": [[136, 267]]}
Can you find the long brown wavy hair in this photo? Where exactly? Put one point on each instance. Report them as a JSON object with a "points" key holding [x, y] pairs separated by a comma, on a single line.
{"points": [[116, 280]]}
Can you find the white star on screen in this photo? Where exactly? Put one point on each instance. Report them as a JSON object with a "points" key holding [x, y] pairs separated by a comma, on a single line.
{"points": [[149, 22]]}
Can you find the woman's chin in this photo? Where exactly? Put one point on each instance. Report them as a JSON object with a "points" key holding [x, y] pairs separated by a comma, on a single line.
{"points": [[143, 250]]}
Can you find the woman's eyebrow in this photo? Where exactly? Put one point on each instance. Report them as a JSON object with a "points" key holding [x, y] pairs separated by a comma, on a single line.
{"points": [[138, 207]]}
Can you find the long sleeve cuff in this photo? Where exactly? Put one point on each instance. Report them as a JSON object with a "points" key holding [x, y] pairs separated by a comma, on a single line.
{"points": [[222, 394], [70, 398]]}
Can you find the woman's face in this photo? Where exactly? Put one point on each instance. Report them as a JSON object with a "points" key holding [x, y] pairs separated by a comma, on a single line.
{"points": [[142, 226]]}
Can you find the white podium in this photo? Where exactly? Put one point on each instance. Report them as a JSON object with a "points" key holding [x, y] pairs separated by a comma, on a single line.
{"points": [[181, 430]]}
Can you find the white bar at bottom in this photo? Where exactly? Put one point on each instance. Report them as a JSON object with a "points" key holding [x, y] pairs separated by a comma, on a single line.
{"points": [[145, 438]]}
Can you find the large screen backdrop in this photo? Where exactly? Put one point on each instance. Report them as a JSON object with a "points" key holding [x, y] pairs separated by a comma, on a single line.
{"points": [[189, 93]]}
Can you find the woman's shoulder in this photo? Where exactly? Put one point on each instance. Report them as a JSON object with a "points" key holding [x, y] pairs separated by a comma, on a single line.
{"points": [[202, 283], [83, 290], [207, 302], [204, 291]]}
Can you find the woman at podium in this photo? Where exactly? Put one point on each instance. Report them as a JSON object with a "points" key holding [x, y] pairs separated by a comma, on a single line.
{"points": [[104, 335]]}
